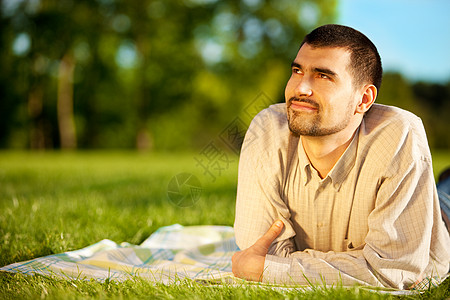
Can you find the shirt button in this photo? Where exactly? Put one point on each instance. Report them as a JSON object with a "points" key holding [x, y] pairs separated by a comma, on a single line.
{"points": [[319, 224]]}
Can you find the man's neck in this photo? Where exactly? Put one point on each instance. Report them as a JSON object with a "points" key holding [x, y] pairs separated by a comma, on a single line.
{"points": [[324, 151]]}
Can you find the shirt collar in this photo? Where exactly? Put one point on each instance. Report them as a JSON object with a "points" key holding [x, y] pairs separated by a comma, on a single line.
{"points": [[340, 170], [304, 162], [345, 163]]}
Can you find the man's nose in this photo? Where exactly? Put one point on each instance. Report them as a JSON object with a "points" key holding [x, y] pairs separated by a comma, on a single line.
{"points": [[303, 87]]}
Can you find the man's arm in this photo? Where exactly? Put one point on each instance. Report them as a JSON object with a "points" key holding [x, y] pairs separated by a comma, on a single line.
{"points": [[259, 202]]}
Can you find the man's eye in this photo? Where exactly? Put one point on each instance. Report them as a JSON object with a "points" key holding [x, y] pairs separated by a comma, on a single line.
{"points": [[324, 76], [296, 71]]}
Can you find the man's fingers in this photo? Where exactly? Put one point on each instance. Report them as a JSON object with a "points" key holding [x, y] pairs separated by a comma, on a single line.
{"points": [[270, 235]]}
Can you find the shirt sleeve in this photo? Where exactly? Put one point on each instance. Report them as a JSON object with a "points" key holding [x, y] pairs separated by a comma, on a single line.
{"points": [[258, 202]]}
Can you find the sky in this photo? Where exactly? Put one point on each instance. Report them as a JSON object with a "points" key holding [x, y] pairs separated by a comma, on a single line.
{"points": [[412, 36]]}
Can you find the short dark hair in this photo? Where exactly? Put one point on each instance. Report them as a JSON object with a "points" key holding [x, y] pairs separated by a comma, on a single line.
{"points": [[365, 61]]}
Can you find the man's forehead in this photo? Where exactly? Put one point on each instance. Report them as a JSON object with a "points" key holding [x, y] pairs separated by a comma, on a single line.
{"points": [[339, 57], [328, 51]]}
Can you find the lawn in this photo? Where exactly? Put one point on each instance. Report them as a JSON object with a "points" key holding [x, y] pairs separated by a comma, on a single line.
{"points": [[51, 202]]}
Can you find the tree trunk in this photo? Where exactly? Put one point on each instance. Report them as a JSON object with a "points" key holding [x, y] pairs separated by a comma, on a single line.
{"points": [[66, 121], [37, 130]]}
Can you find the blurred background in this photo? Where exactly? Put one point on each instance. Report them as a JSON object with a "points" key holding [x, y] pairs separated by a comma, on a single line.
{"points": [[170, 75]]}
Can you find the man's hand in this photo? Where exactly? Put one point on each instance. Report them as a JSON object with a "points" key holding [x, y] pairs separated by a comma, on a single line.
{"points": [[249, 263]]}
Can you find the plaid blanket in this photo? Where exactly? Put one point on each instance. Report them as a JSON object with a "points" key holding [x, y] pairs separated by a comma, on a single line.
{"points": [[170, 254]]}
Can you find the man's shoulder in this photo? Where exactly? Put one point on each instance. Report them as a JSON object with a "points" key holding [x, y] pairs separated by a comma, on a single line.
{"points": [[275, 112], [393, 121], [387, 129], [385, 114], [269, 129], [271, 118]]}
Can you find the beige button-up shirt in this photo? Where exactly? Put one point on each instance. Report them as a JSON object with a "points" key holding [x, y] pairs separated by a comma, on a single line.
{"points": [[374, 220]]}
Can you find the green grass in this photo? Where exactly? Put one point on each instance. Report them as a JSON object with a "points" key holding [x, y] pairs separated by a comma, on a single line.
{"points": [[56, 202], [20, 286]]}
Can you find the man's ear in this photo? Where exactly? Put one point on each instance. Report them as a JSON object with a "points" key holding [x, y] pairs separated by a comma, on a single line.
{"points": [[369, 94]]}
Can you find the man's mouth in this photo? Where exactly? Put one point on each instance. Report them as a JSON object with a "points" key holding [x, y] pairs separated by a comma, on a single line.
{"points": [[303, 105]]}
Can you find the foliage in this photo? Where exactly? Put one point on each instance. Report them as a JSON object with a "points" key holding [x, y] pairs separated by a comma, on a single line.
{"points": [[133, 67], [160, 75], [58, 202]]}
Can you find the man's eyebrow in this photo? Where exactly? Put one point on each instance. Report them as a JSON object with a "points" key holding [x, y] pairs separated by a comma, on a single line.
{"points": [[317, 69], [296, 65], [325, 71]]}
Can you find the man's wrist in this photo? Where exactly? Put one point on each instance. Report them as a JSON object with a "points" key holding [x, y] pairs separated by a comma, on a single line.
{"points": [[277, 269]]}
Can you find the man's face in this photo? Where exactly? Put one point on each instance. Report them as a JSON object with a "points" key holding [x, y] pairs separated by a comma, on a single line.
{"points": [[320, 96]]}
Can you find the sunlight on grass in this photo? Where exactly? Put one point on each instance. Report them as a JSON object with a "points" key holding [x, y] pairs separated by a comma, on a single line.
{"points": [[22, 286], [55, 202]]}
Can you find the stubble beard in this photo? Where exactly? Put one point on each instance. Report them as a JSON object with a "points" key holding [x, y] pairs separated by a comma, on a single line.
{"points": [[303, 123], [310, 123]]}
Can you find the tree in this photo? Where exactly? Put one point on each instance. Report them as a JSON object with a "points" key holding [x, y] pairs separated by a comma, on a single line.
{"points": [[150, 73]]}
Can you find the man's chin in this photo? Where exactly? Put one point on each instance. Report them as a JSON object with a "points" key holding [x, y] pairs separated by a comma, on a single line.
{"points": [[297, 126], [294, 131]]}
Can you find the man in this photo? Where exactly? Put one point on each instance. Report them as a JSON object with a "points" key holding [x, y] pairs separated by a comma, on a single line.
{"points": [[333, 187]]}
